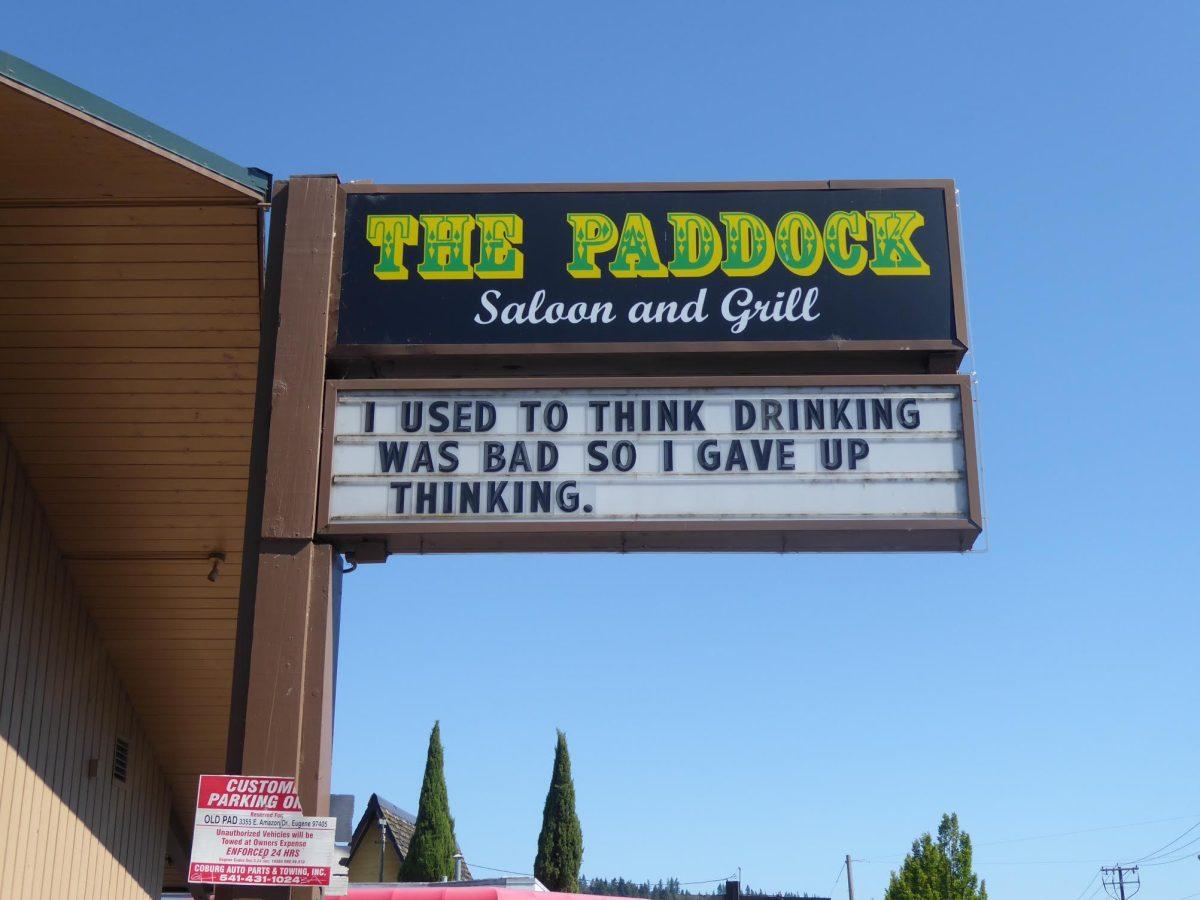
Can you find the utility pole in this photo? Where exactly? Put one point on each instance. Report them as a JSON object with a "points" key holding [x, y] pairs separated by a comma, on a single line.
{"points": [[382, 844], [849, 877], [1117, 878]]}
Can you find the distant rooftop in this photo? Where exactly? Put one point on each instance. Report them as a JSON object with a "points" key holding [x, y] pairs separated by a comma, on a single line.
{"points": [[399, 826]]}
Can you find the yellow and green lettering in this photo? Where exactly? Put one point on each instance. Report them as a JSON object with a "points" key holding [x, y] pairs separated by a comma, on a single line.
{"points": [[894, 253], [847, 258], [697, 245], [391, 234], [591, 233], [498, 258], [447, 246], [798, 243], [637, 253], [749, 250]]}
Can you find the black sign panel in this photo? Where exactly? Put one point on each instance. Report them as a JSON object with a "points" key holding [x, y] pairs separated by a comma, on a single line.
{"points": [[742, 266]]}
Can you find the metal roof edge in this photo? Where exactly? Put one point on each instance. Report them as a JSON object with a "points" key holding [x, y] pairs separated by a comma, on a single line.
{"points": [[72, 95]]}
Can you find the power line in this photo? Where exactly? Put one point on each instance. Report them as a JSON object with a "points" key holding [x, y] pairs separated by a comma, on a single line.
{"points": [[1166, 862], [1088, 885], [1042, 837], [881, 860], [1000, 862], [475, 865], [1057, 834], [841, 869], [728, 877], [1169, 843], [1036, 862], [1191, 843]]}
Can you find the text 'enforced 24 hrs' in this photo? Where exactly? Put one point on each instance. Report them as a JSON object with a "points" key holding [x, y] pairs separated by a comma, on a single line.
{"points": [[639, 454]]}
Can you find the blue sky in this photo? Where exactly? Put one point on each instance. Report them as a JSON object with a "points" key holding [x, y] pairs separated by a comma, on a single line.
{"points": [[764, 711]]}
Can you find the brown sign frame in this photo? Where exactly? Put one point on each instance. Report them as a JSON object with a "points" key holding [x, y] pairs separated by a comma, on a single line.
{"points": [[780, 536], [284, 672], [931, 355]]}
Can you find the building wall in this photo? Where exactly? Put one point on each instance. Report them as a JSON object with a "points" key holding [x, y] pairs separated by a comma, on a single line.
{"points": [[65, 831], [364, 864]]}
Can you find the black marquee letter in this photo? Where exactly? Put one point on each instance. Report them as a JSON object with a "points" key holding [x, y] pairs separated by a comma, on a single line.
{"points": [[858, 450]]}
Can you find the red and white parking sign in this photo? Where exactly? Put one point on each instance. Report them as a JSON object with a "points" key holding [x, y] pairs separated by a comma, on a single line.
{"points": [[251, 830]]}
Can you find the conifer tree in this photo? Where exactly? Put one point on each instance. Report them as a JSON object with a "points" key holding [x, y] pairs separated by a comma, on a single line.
{"points": [[560, 845], [938, 870], [431, 851]]}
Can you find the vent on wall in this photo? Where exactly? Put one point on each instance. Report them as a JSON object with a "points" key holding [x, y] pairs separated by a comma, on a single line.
{"points": [[121, 760]]}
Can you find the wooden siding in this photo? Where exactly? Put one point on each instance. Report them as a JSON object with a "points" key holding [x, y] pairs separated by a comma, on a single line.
{"points": [[64, 833], [129, 396], [129, 332]]}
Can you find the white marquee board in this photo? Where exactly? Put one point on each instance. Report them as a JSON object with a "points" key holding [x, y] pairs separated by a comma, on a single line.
{"points": [[649, 457]]}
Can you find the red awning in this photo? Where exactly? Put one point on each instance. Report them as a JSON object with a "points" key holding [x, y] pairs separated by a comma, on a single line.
{"points": [[385, 892]]}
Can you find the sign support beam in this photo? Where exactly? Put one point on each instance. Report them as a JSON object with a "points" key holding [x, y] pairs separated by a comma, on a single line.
{"points": [[288, 699]]}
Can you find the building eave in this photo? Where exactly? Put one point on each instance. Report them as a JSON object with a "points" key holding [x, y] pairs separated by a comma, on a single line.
{"points": [[253, 181]]}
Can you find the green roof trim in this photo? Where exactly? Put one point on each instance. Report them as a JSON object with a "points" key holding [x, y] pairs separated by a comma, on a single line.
{"points": [[44, 82]]}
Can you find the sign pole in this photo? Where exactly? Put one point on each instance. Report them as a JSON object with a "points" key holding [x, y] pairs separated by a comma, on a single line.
{"points": [[289, 695]]}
